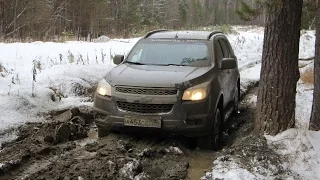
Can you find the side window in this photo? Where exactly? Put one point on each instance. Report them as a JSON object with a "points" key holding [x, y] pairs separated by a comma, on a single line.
{"points": [[225, 48], [218, 52], [228, 47]]}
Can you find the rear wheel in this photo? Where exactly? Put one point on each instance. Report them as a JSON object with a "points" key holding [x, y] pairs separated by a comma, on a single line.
{"points": [[213, 140]]}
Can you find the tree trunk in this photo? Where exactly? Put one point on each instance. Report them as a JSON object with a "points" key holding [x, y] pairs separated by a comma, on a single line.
{"points": [[15, 20], [91, 21], [279, 72], [315, 114], [1, 18]]}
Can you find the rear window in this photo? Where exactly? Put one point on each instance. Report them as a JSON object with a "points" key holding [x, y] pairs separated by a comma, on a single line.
{"points": [[170, 52]]}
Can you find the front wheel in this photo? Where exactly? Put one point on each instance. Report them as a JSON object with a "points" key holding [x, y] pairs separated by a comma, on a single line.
{"points": [[213, 140], [103, 132]]}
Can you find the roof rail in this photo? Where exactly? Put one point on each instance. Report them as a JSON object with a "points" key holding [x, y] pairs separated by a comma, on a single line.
{"points": [[213, 33], [155, 31]]}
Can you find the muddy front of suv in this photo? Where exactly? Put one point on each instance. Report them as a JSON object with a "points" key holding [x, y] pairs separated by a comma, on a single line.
{"points": [[139, 109]]}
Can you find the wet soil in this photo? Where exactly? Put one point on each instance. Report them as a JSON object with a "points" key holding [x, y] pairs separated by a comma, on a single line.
{"points": [[40, 153]]}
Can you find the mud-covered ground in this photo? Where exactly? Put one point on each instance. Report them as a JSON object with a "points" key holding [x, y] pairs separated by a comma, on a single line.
{"points": [[66, 147]]}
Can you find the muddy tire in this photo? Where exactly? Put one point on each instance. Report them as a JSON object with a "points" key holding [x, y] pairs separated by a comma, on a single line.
{"points": [[103, 132], [213, 140]]}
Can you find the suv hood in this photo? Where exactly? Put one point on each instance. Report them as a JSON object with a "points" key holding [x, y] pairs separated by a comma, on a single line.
{"points": [[155, 76]]}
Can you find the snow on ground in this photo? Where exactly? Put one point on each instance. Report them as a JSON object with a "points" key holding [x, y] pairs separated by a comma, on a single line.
{"points": [[307, 43], [230, 170], [301, 148], [72, 68], [247, 45], [127, 171]]}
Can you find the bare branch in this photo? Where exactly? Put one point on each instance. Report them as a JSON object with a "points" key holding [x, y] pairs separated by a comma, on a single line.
{"points": [[15, 30], [25, 8]]}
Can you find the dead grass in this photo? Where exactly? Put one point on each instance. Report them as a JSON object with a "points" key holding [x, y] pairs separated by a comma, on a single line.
{"points": [[2, 69], [307, 76]]}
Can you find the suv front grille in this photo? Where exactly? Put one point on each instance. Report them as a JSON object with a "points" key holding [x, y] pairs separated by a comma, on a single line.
{"points": [[146, 91], [145, 108]]}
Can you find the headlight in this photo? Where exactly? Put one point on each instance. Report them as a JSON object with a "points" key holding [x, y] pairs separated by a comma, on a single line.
{"points": [[197, 93], [104, 88]]}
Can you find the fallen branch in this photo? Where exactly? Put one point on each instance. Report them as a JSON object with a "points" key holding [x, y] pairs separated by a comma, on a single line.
{"points": [[306, 59]]}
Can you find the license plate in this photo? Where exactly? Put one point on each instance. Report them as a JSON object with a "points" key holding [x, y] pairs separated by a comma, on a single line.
{"points": [[142, 121]]}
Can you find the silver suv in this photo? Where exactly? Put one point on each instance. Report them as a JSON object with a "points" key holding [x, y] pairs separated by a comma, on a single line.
{"points": [[172, 82]]}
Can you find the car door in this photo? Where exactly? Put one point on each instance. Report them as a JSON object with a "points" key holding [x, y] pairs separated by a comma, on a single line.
{"points": [[233, 74], [227, 73], [223, 74]]}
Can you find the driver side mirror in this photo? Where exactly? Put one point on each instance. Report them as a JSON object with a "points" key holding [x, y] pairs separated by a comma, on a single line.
{"points": [[228, 63], [117, 59]]}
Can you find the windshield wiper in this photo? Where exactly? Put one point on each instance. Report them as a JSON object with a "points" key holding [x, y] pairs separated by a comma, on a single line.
{"points": [[174, 65], [136, 63]]}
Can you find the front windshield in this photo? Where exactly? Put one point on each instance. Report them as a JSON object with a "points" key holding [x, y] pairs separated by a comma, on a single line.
{"points": [[170, 52]]}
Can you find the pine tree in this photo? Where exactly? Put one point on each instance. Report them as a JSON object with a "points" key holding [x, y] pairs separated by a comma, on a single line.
{"points": [[315, 114], [279, 72]]}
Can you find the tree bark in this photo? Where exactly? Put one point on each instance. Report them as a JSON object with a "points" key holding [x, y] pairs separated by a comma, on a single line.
{"points": [[1, 18], [315, 113], [15, 20], [279, 72]]}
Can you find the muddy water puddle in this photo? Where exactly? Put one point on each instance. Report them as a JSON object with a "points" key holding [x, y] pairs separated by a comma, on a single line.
{"points": [[92, 134], [200, 162]]}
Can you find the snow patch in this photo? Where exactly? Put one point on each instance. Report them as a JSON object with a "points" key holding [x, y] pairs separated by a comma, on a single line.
{"points": [[307, 44], [144, 151], [304, 98], [128, 170], [229, 170], [7, 137], [102, 39], [301, 149], [142, 175], [174, 150], [72, 69]]}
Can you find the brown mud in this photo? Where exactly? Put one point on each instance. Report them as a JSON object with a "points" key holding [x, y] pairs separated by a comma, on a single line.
{"points": [[66, 147]]}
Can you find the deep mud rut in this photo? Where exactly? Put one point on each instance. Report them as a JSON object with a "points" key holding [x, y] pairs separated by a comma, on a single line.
{"points": [[71, 150]]}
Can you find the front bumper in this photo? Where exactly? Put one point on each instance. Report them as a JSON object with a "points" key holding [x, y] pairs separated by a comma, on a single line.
{"points": [[186, 118]]}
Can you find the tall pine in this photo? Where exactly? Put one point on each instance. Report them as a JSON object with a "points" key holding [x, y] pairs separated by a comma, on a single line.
{"points": [[279, 72], [315, 114]]}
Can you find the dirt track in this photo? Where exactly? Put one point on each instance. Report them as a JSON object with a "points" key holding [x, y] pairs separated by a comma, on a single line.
{"points": [[42, 152]]}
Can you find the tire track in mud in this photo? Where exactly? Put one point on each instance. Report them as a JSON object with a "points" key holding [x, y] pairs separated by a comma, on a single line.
{"points": [[201, 161], [118, 156]]}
